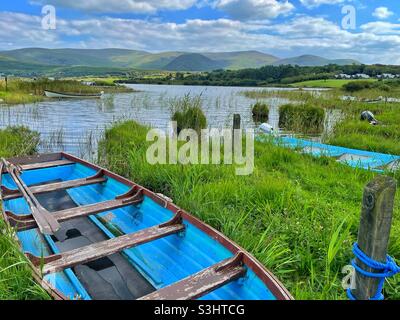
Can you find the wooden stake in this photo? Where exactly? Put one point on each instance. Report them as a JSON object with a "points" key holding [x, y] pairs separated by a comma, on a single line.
{"points": [[236, 126], [374, 232]]}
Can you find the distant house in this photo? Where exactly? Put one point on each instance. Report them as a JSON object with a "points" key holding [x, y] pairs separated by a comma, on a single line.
{"points": [[88, 83], [343, 76], [386, 76], [361, 76]]}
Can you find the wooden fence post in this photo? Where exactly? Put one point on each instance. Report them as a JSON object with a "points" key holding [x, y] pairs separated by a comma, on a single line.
{"points": [[236, 121], [374, 231], [236, 126]]}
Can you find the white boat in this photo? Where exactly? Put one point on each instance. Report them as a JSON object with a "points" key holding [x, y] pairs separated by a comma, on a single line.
{"points": [[59, 95]]}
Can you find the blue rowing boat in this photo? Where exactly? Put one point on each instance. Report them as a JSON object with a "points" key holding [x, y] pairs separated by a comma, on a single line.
{"points": [[90, 234], [378, 162]]}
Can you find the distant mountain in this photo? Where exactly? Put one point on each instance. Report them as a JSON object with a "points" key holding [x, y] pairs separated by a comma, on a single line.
{"points": [[31, 60], [313, 61], [243, 59], [121, 58], [194, 62], [75, 57]]}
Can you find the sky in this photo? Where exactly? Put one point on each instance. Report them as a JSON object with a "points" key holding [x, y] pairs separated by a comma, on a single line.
{"points": [[366, 30]]}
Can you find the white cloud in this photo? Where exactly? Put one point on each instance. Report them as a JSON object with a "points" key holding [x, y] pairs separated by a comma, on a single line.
{"points": [[299, 35], [381, 27], [120, 6], [317, 3], [382, 13], [254, 9]]}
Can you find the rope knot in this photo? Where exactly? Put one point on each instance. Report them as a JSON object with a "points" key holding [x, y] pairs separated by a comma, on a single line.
{"points": [[380, 270]]}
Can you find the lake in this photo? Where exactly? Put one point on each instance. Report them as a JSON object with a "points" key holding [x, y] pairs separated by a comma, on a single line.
{"points": [[75, 126]]}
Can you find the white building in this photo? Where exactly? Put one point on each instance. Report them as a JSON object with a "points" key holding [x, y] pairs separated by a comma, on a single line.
{"points": [[361, 76], [386, 76], [343, 76]]}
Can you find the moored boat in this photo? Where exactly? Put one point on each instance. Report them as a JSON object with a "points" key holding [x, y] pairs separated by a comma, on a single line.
{"points": [[60, 95], [362, 159], [91, 234]]}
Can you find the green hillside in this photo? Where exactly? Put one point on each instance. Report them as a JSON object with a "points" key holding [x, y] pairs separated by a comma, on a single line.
{"points": [[194, 62], [31, 61], [243, 59], [313, 61], [121, 58]]}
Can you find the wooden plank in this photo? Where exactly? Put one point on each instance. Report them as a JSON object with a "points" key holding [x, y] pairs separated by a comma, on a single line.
{"points": [[57, 186], [27, 223], [43, 165], [43, 219], [374, 231], [102, 249], [203, 282], [35, 158]]}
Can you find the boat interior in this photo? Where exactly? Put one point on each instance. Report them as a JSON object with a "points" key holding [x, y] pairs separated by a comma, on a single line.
{"points": [[90, 235]]}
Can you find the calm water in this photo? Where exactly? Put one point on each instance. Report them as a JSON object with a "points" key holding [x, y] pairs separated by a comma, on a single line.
{"points": [[75, 126]]}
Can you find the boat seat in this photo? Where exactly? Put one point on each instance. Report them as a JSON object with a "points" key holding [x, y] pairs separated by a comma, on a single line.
{"points": [[27, 222], [203, 282], [43, 165], [56, 185], [85, 254]]}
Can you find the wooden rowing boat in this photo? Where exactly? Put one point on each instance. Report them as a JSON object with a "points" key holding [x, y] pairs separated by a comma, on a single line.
{"points": [[91, 234], [59, 95]]}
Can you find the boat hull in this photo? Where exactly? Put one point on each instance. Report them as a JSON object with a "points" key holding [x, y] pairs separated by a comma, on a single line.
{"points": [[378, 162], [162, 262], [58, 95]]}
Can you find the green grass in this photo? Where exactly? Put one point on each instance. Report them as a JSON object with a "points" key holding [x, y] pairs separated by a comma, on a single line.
{"points": [[384, 138], [297, 214], [302, 118], [16, 281], [328, 83]]}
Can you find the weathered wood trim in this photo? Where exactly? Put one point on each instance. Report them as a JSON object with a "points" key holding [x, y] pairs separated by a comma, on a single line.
{"points": [[35, 158], [203, 282], [44, 220], [102, 249], [43, 165], [14, 194]]}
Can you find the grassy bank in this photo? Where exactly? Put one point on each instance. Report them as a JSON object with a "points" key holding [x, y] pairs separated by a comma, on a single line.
{"points": [[20, 91], [297, 214], [16, 280], [384, 138], [327, 83]]}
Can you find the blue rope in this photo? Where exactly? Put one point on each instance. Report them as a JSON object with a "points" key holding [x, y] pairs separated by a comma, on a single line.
{"points": [[384, 270]]}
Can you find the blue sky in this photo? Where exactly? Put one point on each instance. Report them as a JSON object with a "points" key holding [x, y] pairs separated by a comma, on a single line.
{"points": [[280, 27]]}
